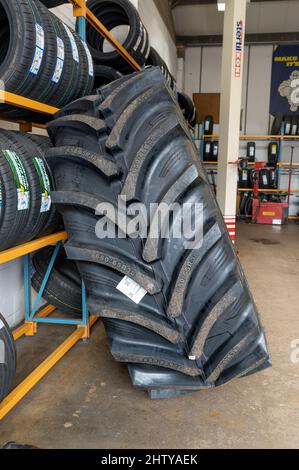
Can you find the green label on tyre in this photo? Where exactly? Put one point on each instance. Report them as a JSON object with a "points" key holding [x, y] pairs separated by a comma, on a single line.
{"points": [[45, 184], [20, 179]]}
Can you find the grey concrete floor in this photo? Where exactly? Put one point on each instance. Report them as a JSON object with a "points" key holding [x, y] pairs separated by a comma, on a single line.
{"points": [[87, 400]]}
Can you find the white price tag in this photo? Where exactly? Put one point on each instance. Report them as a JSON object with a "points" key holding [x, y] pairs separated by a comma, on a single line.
{"points": [[276, 222], [131, 289], [23, 200]]}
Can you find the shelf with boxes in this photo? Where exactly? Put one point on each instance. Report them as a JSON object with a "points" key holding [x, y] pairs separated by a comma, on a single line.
{"points": [[270, 176]]}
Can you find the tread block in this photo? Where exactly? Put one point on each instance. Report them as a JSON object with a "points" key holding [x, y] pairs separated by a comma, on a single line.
{"points": [[151, 248], [149, 283], [79, 122], [143, 319], [144, 153], [193, 259], [78, 154], [213, 316]]}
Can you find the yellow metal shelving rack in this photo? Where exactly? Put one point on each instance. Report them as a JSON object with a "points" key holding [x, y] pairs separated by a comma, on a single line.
{"points": [[29, 328]]}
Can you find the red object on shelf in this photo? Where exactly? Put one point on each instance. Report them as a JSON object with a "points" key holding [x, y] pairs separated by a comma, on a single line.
{"points": [[271, 213]]}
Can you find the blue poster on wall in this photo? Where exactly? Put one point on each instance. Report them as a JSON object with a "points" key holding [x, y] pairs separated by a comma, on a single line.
{"points": [[285, 81]]}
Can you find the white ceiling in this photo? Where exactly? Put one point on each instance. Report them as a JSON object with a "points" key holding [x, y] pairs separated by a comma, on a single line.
{"points": [[262, 17]]}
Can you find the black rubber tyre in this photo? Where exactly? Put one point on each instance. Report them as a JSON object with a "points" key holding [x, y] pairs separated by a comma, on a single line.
{"points": [[8, 359], [155, 60], [63, 289], [26, 186], [54, 222], [41, 58], [114, 13], [198, 317], [277, 123], [104, 75], [188, 108]]}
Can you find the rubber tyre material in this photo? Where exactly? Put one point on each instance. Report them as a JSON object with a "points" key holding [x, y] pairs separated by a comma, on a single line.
{"points": [[8, 358], [198, 317]]}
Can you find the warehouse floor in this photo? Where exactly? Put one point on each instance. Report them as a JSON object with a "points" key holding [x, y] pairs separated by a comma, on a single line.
{"points": [[87, 400]]}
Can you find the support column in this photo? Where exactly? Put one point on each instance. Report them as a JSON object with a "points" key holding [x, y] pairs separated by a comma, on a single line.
{"points": [[230, 109]]}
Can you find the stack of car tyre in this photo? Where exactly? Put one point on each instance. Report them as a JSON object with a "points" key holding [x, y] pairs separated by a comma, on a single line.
{"points": [[123, 20], [63, 289], [7, 359], [154, 59], [188, 108], [181, 316], [41, 58], [26, 183]]}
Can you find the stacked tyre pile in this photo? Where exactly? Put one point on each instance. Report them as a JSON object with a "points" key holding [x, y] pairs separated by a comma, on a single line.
{"points": [[122, 19], [182, 319], [63, 289], [41, 58], [26, 183], [188, 108], [155, 60], [7, 358]]}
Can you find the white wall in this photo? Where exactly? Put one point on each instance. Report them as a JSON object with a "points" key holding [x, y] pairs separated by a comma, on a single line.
{"points": [[160, 38], [202, 74]]}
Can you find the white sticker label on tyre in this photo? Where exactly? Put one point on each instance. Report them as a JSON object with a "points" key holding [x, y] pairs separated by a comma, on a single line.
{"points": [[44, 183], [265, 179], [58, 71], [131, 289], [23, 200], [40, 36], [73, 43], [37, 61], [39, 49], [60, 61], [60, 49], [2, 352], [20, 179], [89, 59], [46, 203]]}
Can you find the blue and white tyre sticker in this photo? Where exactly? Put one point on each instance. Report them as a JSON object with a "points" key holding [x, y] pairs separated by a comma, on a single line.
{"points": [[89, 58], [60, 61], [73, 43], [39, 49]]}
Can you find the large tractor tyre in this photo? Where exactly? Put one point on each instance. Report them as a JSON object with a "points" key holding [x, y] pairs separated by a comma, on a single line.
{"points": [[8, 359], [63, 289], [115, 13], [197, 317], [155, 60], [104, 75]]}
